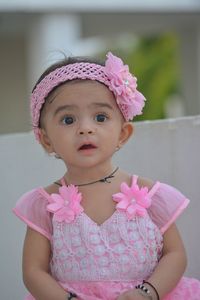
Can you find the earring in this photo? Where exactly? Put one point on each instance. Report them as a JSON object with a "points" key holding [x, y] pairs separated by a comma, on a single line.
{"points": [[54, 154], [117, 148]]}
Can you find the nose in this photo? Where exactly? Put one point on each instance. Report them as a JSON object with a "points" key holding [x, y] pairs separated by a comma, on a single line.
{"points": [[85, 131], [86, 127]]}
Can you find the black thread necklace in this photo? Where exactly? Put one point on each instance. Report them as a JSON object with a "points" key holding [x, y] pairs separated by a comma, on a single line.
{"points": [[104, 179]]}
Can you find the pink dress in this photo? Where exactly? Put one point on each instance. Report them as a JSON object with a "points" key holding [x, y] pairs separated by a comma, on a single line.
{"points": [[103, 261]]}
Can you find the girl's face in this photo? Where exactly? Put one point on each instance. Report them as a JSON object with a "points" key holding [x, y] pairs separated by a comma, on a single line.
{"points": [[82, 124]]}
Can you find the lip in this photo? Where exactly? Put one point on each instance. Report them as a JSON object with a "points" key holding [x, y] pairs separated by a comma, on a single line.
{"points": [[87, 146]]}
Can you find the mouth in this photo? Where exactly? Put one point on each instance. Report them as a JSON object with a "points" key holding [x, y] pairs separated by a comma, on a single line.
{"points": [[87, 147]]}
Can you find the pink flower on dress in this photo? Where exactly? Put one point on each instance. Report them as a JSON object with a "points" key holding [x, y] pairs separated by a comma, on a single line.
{"points": [[66, 205], [124, 85], [133, 200]]}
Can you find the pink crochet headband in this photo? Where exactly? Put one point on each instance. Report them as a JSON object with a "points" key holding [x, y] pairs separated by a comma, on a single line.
{"points": [[114, 74]]}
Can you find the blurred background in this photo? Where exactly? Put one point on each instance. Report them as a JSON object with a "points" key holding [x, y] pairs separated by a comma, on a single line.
{"points": [[159, 40]]}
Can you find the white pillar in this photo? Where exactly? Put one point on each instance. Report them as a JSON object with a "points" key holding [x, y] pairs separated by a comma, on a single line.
{"points": [[48, 36], [190, 64]]}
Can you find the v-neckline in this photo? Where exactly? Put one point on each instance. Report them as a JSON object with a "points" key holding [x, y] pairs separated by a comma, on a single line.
{"points": [[90, 219], [96, 223], [83, 213]]}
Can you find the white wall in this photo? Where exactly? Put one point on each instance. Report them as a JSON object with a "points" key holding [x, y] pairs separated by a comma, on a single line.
{"points": [[167, 150]]}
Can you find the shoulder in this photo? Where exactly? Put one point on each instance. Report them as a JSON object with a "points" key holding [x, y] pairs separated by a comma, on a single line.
{"points": [[37, 196], [52, 188], [141, 181], [145, 182], [40, 194]]}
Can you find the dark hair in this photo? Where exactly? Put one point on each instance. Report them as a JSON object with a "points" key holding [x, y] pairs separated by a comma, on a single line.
{"points": [[59, 64]]}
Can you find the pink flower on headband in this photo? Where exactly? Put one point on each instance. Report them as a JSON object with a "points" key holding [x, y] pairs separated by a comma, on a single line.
{"points": [[66, 205], [133, 200], [124, 85]]}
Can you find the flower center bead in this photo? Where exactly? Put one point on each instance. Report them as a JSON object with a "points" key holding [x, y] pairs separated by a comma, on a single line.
{"points": [[126, 82]]}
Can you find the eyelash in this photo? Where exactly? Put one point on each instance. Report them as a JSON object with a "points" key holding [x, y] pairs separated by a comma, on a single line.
{"points": [[73, 119], [101, 114], [69, 117]]}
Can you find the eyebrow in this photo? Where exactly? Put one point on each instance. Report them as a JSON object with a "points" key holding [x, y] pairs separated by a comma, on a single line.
{"points": [[64, 107], [102, 104], [72, 107]]}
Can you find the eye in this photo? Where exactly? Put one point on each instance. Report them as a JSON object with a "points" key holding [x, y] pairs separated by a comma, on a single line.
{"points": [[101, 117], [68, 120]]}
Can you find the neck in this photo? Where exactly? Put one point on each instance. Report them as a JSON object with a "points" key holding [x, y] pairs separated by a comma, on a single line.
{"points": [[85, 175]]}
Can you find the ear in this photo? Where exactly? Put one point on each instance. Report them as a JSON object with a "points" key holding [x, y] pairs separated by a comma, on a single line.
{"points": [[126, 132], [45, 141]]}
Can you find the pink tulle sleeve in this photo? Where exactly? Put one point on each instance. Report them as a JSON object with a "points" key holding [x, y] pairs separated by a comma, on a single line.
{"points": [[167, 204], [31, 209]]}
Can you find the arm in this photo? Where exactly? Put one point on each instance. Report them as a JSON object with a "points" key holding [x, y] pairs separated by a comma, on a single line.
{"points": [[172, 263], [36, 258]]}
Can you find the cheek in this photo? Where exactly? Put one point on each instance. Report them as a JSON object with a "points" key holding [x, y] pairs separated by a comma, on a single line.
{"points": [[113, 138], [118, 129], [62, 137]]}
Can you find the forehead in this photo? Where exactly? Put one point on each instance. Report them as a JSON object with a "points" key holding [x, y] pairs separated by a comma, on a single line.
{"points": [[81, 94], [76, 89]]}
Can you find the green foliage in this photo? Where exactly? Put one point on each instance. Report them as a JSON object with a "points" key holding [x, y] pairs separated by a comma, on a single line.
{"points": [[154, 61]]}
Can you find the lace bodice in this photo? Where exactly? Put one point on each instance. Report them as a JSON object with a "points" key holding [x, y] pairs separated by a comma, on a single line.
{"points": [[119, 249]]}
